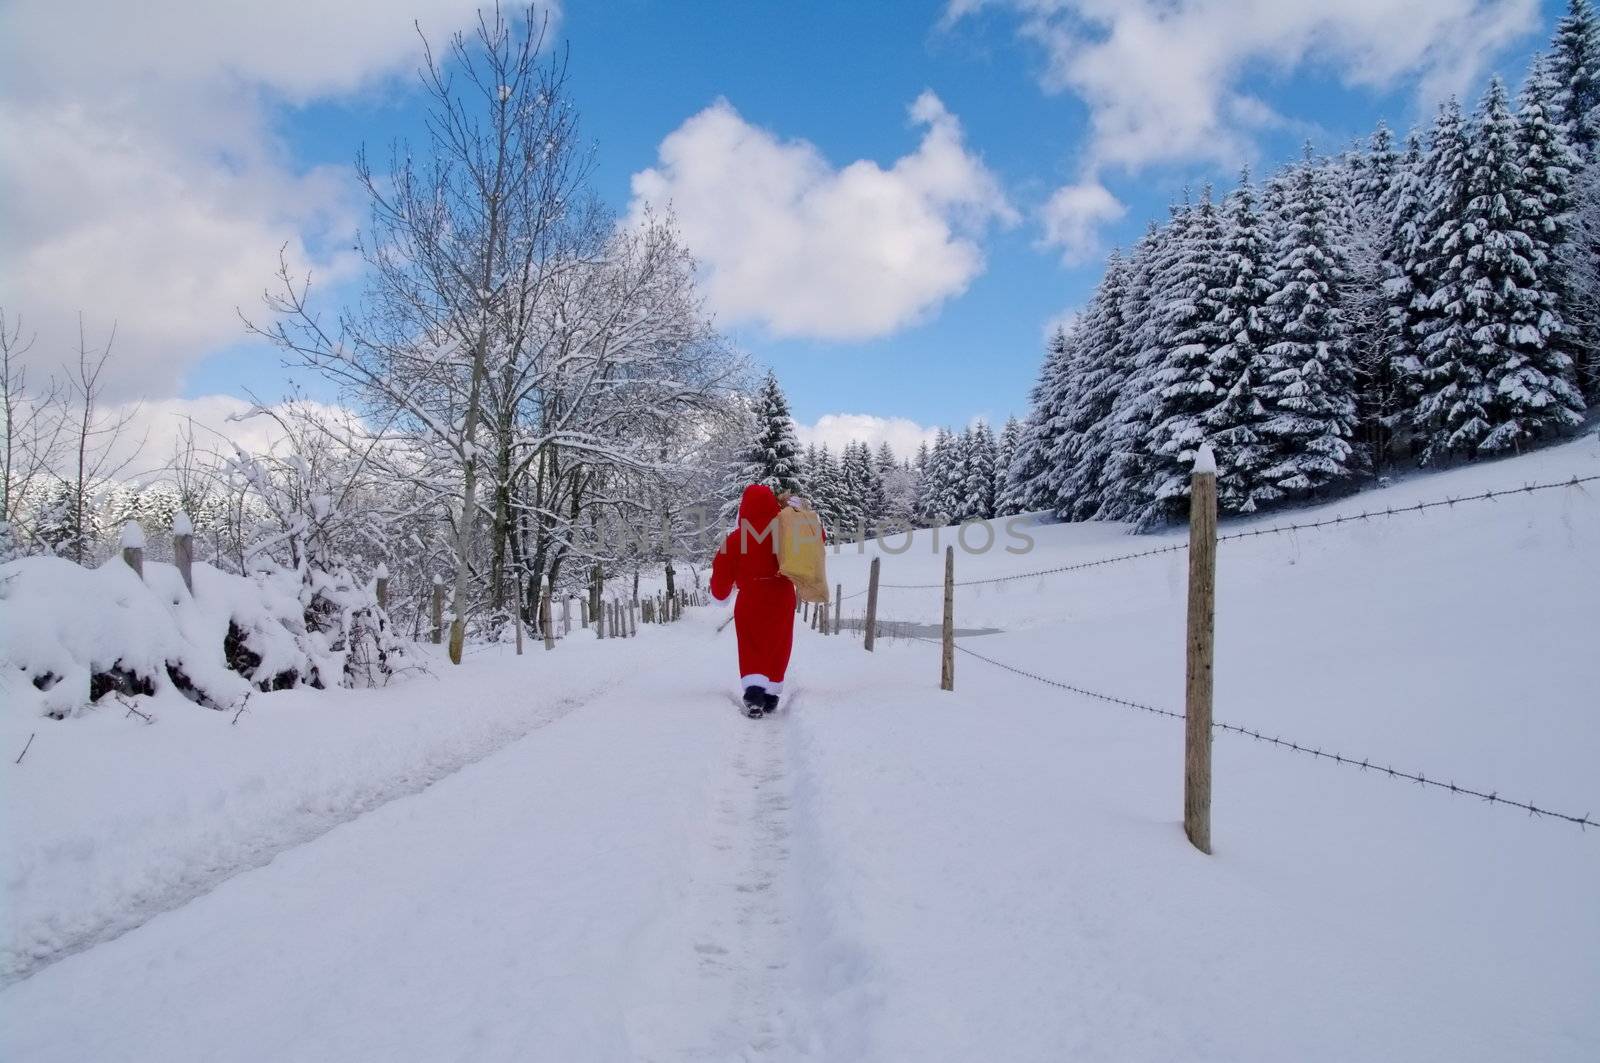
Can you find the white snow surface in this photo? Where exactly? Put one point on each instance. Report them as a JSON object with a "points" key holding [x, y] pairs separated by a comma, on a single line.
{"points": [[588, 855]]}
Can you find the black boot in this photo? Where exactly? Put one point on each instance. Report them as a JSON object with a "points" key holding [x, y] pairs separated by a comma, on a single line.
{"points": [[755, 701], [771, 704]]}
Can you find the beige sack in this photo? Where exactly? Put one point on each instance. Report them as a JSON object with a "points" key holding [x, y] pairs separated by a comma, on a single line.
{"points": [[801, 553]]}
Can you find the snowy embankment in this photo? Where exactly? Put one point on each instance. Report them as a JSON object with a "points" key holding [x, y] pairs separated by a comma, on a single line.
{"points": [[111, 820], [1022, 888], [884, 871]]}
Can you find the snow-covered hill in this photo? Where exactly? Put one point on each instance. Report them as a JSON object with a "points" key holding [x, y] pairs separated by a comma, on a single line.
{"points": [[588, 855]]}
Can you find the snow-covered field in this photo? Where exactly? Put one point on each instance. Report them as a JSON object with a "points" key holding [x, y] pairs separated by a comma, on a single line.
{"points": [[587, 855]]}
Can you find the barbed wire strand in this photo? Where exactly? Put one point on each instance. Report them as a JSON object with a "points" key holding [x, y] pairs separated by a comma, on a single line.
{"points": [[1276, 529], [1492, 797]]}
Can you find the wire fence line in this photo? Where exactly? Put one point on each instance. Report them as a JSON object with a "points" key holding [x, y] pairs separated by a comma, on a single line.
{"points": [[1492, 797], [1251, 533]]}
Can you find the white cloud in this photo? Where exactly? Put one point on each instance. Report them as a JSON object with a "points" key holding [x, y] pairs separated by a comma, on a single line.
{"points": [[791, 243], [1162, 80], [143, 181], [1074, 214], [836, 429]]}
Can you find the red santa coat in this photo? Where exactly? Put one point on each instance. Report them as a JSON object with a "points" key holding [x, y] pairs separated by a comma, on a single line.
{"points": [[763, 615]]}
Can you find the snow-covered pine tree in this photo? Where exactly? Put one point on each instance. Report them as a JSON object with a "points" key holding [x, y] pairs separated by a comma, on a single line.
{"points": [[1241, 366], [874, 503], [1098, 481], [773, 455], [1486, 357], [1186, 387], [861, 499], [950, 506], [826, 491], [1545, 208], [1515, 313], [952, 474], [1401, 211], [1005, 452], [954, 499], [1101, 371], [919, 473], [1030, 484], [977, 473], [1435, 317], [1310, 397], [1580, 264], [1132, 468], [1553, 209], [62, 526], [930, 485], [883, 458], [1575, 64]]}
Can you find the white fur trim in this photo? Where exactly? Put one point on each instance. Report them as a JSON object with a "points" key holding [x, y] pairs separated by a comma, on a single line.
{"points": [[759, 680]]}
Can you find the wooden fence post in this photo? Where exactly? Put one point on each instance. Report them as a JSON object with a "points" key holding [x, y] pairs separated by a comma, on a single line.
{"points": [[870, 630], [183, 557], [516, 616], [1198, 678], [838, 606], [438, 611], [380, 577], [583, 612], [566, 614], [544, 614], [133, 547], [947, 664]]}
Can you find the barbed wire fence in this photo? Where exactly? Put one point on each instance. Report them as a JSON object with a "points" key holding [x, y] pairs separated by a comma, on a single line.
{"points": [[1364, 763], [910, 631], [1252, 533]]}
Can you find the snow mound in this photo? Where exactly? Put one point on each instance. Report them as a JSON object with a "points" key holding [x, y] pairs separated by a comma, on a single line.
{"points": [[70, 635]]}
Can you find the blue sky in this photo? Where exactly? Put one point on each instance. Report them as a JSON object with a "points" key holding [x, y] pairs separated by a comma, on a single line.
{"points": [[1126, 103]]}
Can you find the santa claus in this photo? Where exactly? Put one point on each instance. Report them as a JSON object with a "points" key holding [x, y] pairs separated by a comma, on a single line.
{"points": [[763, 615]]}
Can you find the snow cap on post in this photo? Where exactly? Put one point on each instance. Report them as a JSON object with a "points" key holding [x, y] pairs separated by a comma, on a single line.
{"points": [[381, 572], [181, 524], [1205, 460], [132, 536]]}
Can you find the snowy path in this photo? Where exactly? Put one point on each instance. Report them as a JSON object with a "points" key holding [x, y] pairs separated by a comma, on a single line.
{"points": [[727, 986]]}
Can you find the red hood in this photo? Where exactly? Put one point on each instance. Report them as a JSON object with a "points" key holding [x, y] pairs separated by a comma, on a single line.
{"points": [[758, 506]]}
